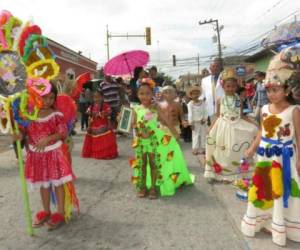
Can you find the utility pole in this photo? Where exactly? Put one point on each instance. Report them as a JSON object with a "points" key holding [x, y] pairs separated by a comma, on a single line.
{"points": [[218, 37], [147, 36], [198, 63], [158, 54], [107, 42]]}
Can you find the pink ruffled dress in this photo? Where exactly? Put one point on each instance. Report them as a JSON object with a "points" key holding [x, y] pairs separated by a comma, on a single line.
{"points": [[51, 167]]}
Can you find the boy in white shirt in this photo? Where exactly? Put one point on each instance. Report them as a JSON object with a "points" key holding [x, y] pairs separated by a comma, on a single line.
{"points": [[197, 118]]}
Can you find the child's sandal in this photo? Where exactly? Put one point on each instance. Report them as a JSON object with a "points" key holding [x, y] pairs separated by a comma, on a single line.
{"points": [[41, 218], [142, 193], [56, 220], [152, 194]]}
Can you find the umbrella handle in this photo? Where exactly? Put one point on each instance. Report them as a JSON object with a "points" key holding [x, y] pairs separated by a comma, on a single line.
{"points": [[125, 58]]}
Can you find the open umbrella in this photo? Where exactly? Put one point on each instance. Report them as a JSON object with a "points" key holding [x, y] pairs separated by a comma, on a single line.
{"points": [[283, 34], [125, 63]]}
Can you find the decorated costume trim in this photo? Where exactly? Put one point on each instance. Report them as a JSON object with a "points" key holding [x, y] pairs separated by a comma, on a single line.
{"points": [[46, 68], [5, 121], [40, 85], [47, 118], [10, 29], [27, 32], [271, 180]]}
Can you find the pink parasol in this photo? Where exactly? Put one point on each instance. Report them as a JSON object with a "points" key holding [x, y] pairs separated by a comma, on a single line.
{"points": [[126, 62]]}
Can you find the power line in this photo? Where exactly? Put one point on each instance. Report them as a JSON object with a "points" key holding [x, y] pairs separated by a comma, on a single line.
{"points": [[254, 40], [268, 11]]}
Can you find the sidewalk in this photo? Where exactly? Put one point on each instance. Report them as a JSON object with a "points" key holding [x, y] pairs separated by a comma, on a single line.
{"points": [[236, 209]]}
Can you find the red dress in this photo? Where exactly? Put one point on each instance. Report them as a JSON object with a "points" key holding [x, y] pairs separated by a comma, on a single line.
{"points": [[100, 141], [51, 166]]}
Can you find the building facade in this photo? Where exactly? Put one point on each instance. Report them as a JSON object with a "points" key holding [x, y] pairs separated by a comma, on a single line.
{"points": [[188, 80], [261, 59], [72, 63]]}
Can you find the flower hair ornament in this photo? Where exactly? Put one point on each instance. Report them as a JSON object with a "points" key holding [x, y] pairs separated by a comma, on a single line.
{"points": [[149, 82]]}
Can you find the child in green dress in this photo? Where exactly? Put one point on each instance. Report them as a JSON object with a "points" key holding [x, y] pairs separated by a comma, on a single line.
{"points": [[157, 153]]}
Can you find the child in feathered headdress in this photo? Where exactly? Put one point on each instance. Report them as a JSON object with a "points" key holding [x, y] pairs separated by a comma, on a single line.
{"points": [[274, 197], [48, 164]]}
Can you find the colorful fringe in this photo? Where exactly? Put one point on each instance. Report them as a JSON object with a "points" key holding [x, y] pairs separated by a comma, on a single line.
{"points": [[71, 200]]}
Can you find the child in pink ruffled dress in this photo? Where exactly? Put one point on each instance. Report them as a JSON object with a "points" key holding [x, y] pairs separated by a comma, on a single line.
{"points": [[47, 163]]}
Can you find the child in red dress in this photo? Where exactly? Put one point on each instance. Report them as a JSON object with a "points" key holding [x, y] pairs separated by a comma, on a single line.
{"points": [[100, 140], [47, 163]]}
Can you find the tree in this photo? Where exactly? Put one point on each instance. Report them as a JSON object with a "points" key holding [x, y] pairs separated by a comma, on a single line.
{"points": [[168, 79]]}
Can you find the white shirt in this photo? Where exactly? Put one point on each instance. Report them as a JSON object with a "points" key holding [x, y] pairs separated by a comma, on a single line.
{"points": [[211, 99], [196, 111]]}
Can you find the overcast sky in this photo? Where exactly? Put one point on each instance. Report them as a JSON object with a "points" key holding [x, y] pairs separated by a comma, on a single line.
{"points": [[81, 25]]}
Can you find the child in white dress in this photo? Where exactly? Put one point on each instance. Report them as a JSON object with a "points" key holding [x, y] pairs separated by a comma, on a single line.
{"points": [[197, 118], [230, 134], [274, 197]]}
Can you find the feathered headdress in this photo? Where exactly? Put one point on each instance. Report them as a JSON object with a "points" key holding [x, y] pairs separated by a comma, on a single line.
{"points": [[283, 67], [24, 54]]}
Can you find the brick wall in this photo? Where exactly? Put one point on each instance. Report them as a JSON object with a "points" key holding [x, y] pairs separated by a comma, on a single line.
{"points": [[71, 62]]}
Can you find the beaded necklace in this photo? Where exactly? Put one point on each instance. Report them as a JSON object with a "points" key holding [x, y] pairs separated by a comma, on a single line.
{"points": [[231, 103]]}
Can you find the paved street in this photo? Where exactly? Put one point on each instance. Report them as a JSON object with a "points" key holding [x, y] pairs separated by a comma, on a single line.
{"points": [[198, 217]]}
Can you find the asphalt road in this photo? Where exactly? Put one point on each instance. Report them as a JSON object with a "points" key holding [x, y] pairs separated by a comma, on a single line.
{"points": [[197, 217]]}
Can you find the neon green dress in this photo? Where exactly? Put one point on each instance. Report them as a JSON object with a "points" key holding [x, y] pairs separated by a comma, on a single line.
{"points": [[171, 167]]}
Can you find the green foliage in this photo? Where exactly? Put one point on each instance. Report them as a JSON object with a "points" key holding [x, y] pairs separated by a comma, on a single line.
{"points": [[168, 79]]}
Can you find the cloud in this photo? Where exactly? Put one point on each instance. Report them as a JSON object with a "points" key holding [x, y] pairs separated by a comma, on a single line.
{"points": [[81, 25]]}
